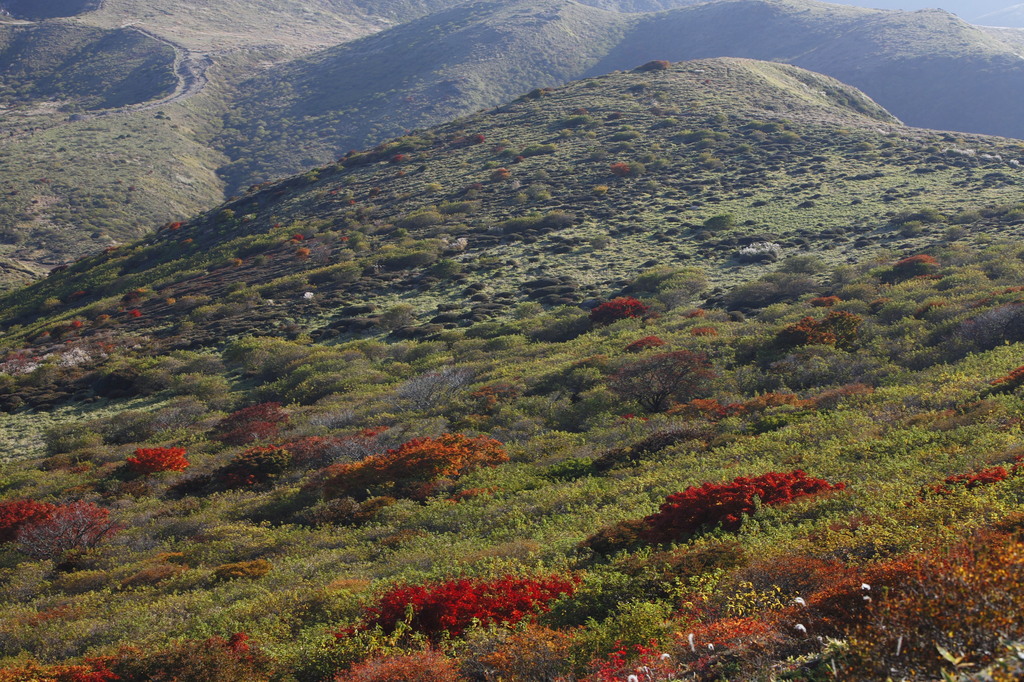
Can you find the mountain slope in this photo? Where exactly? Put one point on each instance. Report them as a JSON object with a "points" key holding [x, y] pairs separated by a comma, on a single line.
{"points": [[222, 24], [284, 427], [797, 159], [80, 67]]}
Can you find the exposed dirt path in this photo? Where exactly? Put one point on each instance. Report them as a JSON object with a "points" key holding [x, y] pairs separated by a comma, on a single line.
{"points": [[189, 68]]}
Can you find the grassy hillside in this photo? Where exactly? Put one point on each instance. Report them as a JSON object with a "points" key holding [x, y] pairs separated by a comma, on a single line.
{"points": [[80, 68], [315, 435], [48, 9], [927, 68]]}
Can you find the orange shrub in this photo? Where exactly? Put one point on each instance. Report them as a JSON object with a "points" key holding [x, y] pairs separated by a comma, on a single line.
{"points": [[409, 469], [92, 670], [534, 653], [839, 328], [428, 665], [704, 331], [243, 569]]}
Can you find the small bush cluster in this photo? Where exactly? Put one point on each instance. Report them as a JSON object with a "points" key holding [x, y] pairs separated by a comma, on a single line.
{"points": [[76, 525], [453, 606], [914, 266], [725, 504], [976, 479], [643, 344], [257, 422], [617, 309], [412, 468], [153, 460], [254, 466], [16, 514], [839, 328]]}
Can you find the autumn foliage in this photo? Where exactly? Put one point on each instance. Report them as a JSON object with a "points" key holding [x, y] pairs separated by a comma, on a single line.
{"points": [[153, 460], [15, 514], [725, 504], [452, 606], [410, 469], [976, 479], [839, 328], [77, 525], [429, 665], [256, 422], [1009, 382], [232, 659], [643, 344], [618, 309], [92, 670], [914, 266]]}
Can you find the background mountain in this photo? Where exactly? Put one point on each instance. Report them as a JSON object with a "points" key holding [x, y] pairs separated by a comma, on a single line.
{"points": [[928, 68], [986, 12]]}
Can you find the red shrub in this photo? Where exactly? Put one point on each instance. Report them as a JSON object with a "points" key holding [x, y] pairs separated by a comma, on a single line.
{"points": [[17, 513], [618, 309], [621, 169], [420, 666], [712, 504], [839, 328], [825, 301], [136, 313], [644, 344], [152, 460], [914, 266], [1009, 382], [500, 174], [977, 479], [410, 469], [454, 605], [257, 422], [78, 525], [633, 662], [704, 331]]}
